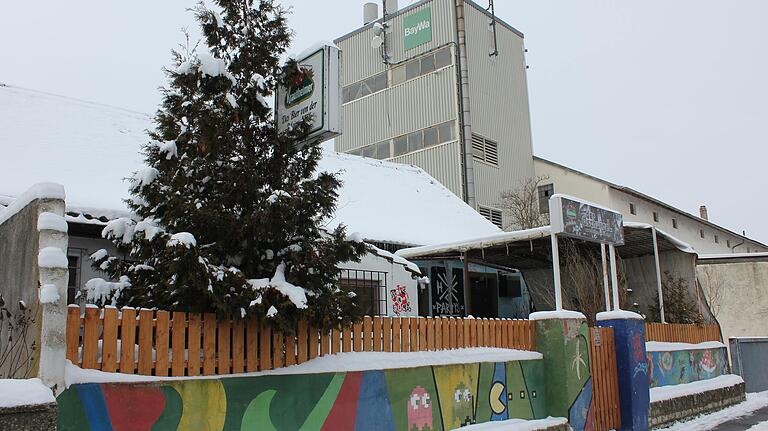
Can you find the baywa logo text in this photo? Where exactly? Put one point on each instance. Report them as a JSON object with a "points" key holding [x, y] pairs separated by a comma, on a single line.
{"points": [[411, 31]]}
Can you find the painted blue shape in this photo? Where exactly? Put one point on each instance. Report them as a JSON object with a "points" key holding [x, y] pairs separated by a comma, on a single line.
{"points": [[500, 378], [374, 412], [579, 411], [632, 369], [95, 406]]}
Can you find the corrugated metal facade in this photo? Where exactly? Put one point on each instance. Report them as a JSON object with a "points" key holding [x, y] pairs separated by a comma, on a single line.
{"points": [[413, 105], [440, 162], [499, 105], [498, 98], [362, 61]]}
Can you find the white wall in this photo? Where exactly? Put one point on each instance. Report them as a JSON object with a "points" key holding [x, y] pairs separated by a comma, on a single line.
{"points": [[396, 276], [738, 296], [570, 182]]}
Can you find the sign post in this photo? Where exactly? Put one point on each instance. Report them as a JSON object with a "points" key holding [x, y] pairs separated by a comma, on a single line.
{"points": [[314, 95], [576, 218]]}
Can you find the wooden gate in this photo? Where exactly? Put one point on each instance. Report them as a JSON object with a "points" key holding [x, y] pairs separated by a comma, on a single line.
{"points": [[605, 384]]}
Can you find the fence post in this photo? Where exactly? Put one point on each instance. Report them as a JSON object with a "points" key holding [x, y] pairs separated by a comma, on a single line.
{"points": [[562, 336], [52, 278], [631, 366]]}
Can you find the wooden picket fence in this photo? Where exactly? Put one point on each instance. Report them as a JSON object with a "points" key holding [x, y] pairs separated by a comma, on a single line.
{"points": [[605, 380], [682, 333], [166, 343]]}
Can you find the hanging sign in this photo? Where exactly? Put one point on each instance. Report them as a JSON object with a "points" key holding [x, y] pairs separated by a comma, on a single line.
{"points": [[447, 291], [584, 220], [314, 94]]}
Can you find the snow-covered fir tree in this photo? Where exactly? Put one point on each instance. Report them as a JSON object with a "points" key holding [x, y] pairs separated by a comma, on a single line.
{"points": [[229, 213]]}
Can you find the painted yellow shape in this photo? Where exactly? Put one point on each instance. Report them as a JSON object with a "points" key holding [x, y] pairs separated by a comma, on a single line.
{"points": [[447, 379], [497, 406], [204, 405]]}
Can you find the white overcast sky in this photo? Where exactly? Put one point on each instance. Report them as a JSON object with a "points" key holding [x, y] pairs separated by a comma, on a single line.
{"points": [[668, 97]]}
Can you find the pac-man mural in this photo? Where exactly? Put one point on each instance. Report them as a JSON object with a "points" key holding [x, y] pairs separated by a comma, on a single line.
{"points": [[437, 398], [686, 366]]}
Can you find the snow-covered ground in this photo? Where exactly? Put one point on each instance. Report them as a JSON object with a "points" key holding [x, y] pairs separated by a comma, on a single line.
{"points": [[707, 422], [340, 362], [673, 391], [24, 392], [515, 425]]}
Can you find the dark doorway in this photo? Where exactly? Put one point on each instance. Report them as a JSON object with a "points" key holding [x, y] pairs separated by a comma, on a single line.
{"points": [[484, 294]]}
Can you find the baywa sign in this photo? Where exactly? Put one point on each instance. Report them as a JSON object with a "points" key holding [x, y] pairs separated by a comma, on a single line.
{"points": [[313, 95], [587, 221], [417, 28]]}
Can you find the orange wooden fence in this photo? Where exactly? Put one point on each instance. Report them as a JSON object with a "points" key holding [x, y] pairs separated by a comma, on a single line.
{"points": [[605, 381], [166, 343], [682, 333]]}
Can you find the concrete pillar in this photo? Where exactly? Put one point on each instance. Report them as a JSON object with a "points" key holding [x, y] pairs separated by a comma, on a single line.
{"points": [[53, 276], [632, 366], [562, 337]]}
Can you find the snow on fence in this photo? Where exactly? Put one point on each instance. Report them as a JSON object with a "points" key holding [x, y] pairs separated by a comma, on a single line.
{"points": [[682, 332], [186, 344]]}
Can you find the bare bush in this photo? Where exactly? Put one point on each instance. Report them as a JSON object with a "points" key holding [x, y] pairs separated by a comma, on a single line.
{"points": [[521, 205]]}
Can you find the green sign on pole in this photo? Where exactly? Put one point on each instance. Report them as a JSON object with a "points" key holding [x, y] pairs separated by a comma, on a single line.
{"points": [[417, 28]]}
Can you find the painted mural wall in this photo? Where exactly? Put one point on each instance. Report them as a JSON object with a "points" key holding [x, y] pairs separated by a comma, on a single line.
{"points": [[433, 398], [686, 366], [565, 345]]}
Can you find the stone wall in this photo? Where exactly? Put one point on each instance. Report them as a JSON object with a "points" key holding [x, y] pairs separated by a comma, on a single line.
{"points": [[665, 412], [41, 417]]}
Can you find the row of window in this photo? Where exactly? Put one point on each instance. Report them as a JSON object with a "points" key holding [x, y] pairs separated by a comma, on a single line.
{"points": [[702, 234], [411, 69], [409, 143]]}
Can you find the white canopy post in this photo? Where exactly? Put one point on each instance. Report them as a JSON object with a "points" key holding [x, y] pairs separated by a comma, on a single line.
{"points": [[556, 273], [606, 287], [658, 273], [614, 277]]}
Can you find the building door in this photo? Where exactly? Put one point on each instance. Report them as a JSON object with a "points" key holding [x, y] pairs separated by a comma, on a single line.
{"points": [[484, 293]]}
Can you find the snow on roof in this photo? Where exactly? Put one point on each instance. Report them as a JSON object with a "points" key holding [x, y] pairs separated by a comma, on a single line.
{"points": [[501, 238], [90, 148]]}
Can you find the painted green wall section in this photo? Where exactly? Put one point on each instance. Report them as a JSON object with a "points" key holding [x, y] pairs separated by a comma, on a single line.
{"points": [[565, 346], [437, 398]]}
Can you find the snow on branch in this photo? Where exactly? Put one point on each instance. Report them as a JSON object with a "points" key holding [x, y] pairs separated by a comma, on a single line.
{"points": [[100, 291], [296, 294], [182, 238]]}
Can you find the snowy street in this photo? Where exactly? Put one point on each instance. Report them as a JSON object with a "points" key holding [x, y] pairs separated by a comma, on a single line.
{"points": [[749, 415]]}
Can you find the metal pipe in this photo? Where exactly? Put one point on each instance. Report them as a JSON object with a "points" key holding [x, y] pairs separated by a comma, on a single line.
{"points": [[556, 273], [658, 273], [606, 286], [465, 120], [614, 277]]}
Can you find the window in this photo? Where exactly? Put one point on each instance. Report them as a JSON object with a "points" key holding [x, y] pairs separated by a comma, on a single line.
{"points": [[717, 240], [632, 209], [485, 149], [422, 65], [510, 286], [545, 192], [367, 86], [368, 288], [411, 142], [73, 282], [701, 233], [655, 216], [674, 223], [728, 243], [493, 215]]}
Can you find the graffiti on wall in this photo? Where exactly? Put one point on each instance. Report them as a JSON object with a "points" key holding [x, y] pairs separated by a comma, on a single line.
{"points": [[438, 398], [686, 366], [572, 397], [401, 303]]}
